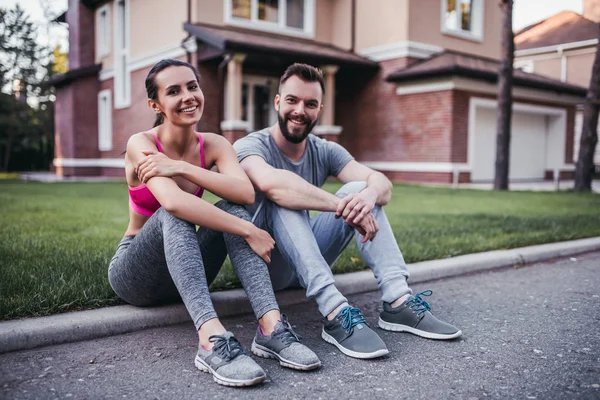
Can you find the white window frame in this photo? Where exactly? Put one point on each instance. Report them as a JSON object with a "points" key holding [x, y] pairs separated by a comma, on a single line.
{"points": [[103, 31], [279, 27], [105, 120], [122, 79], [476, 32]]}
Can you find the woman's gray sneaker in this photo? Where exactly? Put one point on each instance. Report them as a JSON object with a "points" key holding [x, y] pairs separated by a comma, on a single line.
{"points": [[284, 345], [349, 332], [414, 316], [228, 362]]}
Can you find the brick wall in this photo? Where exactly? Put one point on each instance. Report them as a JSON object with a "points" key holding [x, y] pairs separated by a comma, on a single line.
{"points": [[380, 125], [210, 85]]}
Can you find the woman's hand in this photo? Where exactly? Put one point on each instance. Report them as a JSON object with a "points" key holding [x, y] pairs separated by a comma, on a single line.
{"points": [[156, 164], [261, 242]]}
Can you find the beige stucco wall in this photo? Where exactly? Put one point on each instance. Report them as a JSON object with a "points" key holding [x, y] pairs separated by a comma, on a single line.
{"points": [[333, 22], [550, 68], [208, 11], [152, 28], [342, 23], [383, 23], [425, 27], [579, 69], [324, 21]]}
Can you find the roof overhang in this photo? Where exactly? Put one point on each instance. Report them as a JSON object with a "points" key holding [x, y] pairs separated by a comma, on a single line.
{"points": [[74, 74], [271, 49], [486, 76]]}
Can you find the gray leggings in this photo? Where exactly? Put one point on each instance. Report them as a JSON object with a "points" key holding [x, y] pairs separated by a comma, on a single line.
{"points": [[168, 260]]}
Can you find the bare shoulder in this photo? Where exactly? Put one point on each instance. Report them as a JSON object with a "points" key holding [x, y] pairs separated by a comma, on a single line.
{"points": [[138, 142], [140, 138], [214, 139]]}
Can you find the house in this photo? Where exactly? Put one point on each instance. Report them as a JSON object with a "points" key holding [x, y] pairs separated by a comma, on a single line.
{"points": [[411, 85], [562, 47]]}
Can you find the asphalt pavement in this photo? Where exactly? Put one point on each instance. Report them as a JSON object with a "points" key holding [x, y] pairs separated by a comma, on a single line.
{"points": [[529, 332]]}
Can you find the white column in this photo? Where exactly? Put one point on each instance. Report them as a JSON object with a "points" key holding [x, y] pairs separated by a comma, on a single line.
{"points": [[233, 95], [328, 116], [327, 126]]}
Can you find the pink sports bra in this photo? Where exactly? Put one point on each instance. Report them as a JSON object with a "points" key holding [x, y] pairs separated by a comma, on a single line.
{"points": [[141, 198]]}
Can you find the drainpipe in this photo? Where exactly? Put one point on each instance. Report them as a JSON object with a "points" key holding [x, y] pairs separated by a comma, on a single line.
{"points": [[189, 21], [353, 27], [221, 80]]}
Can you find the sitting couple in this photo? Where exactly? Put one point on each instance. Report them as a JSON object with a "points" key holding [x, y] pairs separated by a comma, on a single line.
{"points": [[270, 237]]}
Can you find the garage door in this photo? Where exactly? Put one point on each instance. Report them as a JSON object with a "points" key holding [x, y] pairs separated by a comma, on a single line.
{"points": [[527, 147]]}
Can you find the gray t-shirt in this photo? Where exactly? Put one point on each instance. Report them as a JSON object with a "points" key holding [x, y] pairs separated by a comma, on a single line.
{"points": [[321, 158]]}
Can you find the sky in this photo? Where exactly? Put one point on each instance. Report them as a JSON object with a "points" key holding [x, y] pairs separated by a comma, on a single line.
{"points": [[525, 12]]}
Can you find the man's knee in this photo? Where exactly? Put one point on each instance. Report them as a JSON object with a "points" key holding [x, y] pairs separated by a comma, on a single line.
{"points": [[351, 187]]}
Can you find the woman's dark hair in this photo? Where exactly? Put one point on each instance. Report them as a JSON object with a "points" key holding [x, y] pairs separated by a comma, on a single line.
{"points": [[152, 89]]}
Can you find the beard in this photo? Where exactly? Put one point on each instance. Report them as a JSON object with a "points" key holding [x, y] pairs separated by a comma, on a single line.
{"points": [[298, 134]]}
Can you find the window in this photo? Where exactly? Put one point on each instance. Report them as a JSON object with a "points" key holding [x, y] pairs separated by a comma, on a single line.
{"points": [[103, 31], [104, 120], [463, 18], [258, 93], [122, 79], [294, 17]]}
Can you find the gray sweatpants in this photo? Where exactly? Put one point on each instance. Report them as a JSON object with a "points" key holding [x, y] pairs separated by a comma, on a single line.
{"points": [[168, 260]]}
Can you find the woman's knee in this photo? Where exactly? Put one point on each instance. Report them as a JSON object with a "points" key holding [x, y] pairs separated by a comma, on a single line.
{"points": [[234, 209], [351, 187], [167, 218]]}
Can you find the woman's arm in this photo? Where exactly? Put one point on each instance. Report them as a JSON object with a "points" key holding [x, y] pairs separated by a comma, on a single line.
{"points": [[230, 183], [195, 210]]}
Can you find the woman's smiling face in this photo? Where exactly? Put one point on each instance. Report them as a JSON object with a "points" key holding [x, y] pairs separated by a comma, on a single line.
{"points": [[180, 98]]}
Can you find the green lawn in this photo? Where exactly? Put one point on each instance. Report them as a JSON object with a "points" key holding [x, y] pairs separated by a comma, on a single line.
{"points": [[56, 240]]}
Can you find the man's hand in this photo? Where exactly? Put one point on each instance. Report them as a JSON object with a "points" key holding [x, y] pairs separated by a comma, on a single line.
{"points": [[356, 206], [368, 227], [156, 164]]}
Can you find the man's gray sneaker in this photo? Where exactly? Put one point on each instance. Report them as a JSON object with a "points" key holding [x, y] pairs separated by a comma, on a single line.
{"points": [[228, 362], [284, 345], [414, 316], [349, 332]]}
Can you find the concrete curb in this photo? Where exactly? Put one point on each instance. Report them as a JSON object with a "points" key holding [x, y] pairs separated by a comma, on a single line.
{"points": [[84, 325]]}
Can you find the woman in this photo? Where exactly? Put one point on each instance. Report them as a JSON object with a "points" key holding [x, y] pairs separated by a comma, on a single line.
{"points": [[162, 257]]}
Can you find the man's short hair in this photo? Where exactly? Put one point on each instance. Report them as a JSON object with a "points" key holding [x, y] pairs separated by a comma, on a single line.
{"points": [[306, 72]]}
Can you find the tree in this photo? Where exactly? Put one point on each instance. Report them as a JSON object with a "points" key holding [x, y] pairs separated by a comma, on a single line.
{"points": [[20, 75], [584, 169], [24, 66], [505, 78]]}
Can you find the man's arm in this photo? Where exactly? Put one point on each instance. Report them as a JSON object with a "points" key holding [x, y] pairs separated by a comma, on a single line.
{"points": [[356, 206], [287, 189], [378, 185]]}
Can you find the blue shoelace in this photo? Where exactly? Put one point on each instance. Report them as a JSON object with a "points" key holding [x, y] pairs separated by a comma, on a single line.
{"points": [[417, 304], [226, 347], [350, 317]]}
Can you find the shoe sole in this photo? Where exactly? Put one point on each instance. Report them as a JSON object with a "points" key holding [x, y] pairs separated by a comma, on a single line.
{"points": [[221, 380], [329, 339], [388, 326], [264, 352]]}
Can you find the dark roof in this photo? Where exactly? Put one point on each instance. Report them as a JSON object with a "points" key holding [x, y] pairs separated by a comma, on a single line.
{"points": [[93, 4], [564, 27], [74, 74], [225, 39], [451, 63]]}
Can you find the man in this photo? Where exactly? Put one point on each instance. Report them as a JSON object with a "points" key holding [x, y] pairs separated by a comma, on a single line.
{"points": [[287, 166]]}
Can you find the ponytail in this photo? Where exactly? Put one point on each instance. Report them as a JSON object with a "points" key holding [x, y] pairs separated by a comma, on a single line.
{"points": [[159, 120]]}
